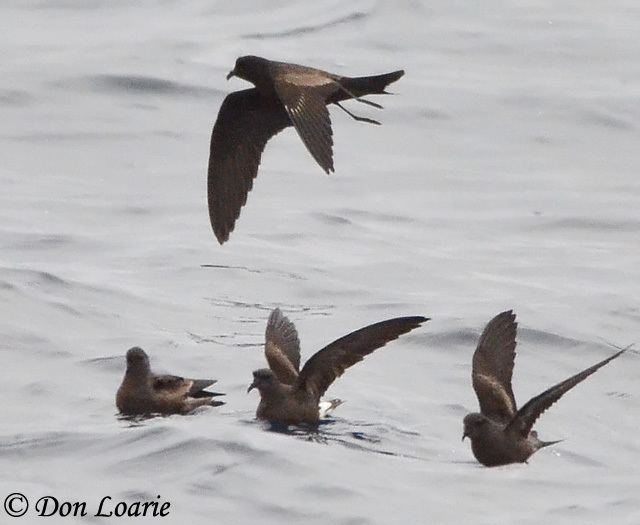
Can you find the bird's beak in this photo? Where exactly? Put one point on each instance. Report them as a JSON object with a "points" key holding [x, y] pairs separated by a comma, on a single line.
{"points": [[231, 73], [251, 387], [464, 435]]}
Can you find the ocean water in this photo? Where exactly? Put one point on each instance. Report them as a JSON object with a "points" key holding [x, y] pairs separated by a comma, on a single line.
{"points": [[505, 175]]}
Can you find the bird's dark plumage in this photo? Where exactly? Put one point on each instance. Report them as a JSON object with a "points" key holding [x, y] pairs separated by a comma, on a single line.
{"points": [[282, 347], [142, 392], [291, 397], [325, 366], [493, 367], [284, 95], [501, 434], [526, 417]]}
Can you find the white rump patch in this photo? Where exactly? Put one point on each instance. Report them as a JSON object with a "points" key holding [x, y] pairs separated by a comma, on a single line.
{"points": [[326, 407]]}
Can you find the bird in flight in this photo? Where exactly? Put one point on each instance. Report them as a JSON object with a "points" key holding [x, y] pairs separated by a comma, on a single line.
{"points": [[144, 393], [500, 433], [284, 95], [291, 396]]}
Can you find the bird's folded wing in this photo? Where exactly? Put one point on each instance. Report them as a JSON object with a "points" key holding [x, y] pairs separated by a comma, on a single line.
{"points": [[245, 123], [198, 385], [331, 362], [282, 347], [175, 385], [493, 367], [171, 385], [524, 420], [304, 97]]}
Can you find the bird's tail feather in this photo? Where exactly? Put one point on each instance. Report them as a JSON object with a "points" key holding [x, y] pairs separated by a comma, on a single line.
{"points": [[373, 85], [205, 393], [541, 444]]}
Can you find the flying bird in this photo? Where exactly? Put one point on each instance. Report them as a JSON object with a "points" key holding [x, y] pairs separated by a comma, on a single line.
{"points": [[289, 395], [284, 95], [500, 433], [144, 393]]}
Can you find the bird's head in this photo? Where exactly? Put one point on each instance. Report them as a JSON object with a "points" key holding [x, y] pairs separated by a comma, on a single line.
{"points": [[473, 424], [137, 359], [249, 68], [264, 380]]}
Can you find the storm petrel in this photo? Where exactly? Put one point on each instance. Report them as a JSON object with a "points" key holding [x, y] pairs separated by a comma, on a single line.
{"points": [[292, 396], [284, 95], [143, 393], [500, 433]]}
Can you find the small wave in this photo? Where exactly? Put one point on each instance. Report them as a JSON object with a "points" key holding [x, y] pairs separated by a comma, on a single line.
{"points": [[366, 437], [267, 307], [605, 120], [111, 363], [334, 220], [146, 84], [576, 458], [42, 443], [378, 216], [15, 98], [289, 275], [226, 340], [547, 338], [463, 337], [302, 30], [590, 224], [73, 136]]}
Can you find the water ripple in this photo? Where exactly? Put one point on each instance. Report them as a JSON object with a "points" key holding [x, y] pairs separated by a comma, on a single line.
{"points": [[303, 30]]}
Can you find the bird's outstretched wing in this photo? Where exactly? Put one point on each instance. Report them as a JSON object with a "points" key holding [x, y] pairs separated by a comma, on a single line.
{"points": [[493, 367], [282, 347], [304, 95], [331, 362], [245, 123], [524, 420]]}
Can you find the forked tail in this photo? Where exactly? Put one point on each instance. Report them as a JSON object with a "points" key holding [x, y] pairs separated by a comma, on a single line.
{"points": [[373, 85], [541, 444]]}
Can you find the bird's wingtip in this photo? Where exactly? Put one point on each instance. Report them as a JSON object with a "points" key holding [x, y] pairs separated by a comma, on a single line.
{"points": [[221, 238]]}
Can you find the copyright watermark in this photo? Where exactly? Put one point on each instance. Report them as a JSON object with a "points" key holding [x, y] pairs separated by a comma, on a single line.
{"points": [[17, 505]]}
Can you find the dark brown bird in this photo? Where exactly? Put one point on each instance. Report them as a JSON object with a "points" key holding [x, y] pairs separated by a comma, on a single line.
{"points": [[500, 433], [290, 396], [144, 393], [284, 95], [282, 350]]}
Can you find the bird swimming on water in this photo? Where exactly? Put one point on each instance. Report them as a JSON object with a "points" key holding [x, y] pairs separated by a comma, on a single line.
{"points": [[500, 433], [292, 396], [284, 95], [144, 393], [282, 350]]}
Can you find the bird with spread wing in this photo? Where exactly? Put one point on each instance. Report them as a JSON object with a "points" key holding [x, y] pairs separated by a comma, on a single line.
{"points": [[289, 395], [501, 433], [284, 95]]}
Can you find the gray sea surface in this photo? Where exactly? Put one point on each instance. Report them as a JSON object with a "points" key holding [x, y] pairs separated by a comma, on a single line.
{"points": [[505, 175]]}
